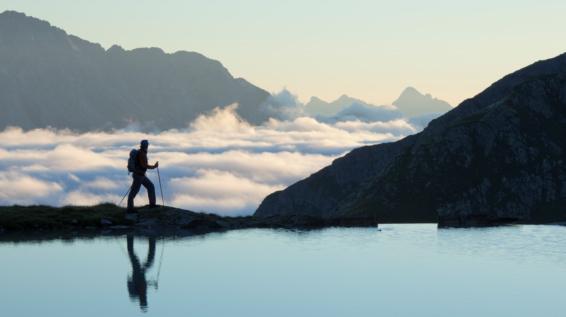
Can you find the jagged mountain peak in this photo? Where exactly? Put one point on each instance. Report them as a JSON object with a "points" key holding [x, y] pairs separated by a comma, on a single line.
{"points": [[413, 103]]}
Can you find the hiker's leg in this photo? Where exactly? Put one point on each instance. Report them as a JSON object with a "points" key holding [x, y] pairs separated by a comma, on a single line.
{"points": [[130, 243], [150, 253], [150, 190], [136, 184]]}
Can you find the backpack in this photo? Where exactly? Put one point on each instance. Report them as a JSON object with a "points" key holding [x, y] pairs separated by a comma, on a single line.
{"points": [[133, 160]]}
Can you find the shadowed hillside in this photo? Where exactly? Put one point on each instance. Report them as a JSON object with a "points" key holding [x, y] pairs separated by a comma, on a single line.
{"points": [[496, 158]]}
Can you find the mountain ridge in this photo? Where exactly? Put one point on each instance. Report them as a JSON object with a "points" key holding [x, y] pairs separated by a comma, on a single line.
{"points": [[50, 78], [495, 158]]}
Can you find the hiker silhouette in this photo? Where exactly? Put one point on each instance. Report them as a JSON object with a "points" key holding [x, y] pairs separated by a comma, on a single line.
{"points": [[137, 283], [139, 178]]}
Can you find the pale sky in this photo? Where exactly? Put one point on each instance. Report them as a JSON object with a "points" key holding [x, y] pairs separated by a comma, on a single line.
{"points": [[370, 49]]}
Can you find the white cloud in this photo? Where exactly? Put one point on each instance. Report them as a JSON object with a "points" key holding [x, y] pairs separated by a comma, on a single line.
{"points": [[284, 106], [24, 189], [220, 163], [272, 168], [80, 198], [396, 127], [101, 183], [222, 120], [228, 193]]}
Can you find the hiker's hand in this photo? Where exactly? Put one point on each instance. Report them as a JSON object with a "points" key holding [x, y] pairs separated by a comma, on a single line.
{"points": [[156, 164]]}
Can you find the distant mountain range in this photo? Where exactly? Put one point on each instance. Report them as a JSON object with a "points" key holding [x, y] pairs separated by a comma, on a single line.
{"points": [[347, 108], [51, 78], [496, 158], [411, 104], [319, 107]]}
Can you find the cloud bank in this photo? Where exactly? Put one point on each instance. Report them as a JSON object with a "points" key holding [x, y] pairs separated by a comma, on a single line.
{"points": [[219, 164]]}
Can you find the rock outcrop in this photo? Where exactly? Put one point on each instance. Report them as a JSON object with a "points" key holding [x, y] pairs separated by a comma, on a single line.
{"points": [[496, 158]]}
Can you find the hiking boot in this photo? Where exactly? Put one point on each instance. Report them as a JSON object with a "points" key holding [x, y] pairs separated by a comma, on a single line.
{"points": [[153, 206]]}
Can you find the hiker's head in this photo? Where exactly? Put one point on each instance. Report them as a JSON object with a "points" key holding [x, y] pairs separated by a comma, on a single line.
{"points": [[144, 144]]}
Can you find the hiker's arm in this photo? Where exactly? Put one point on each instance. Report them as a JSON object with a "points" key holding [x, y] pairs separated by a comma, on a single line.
{"points": [[149, 167], [143, 162]]}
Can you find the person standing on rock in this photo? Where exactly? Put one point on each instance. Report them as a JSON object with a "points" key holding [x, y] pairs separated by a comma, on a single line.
{"points": [[139, 178]]}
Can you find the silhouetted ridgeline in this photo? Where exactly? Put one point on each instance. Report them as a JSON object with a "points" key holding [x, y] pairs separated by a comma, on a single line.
{"points": [[50, 78], [496, 158]]}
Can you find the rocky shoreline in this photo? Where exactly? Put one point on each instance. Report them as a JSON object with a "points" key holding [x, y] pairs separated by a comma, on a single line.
{"points": [[29, 222]]}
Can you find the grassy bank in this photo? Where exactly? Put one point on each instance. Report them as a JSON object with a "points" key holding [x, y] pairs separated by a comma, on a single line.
{"points": [[46, 217]]}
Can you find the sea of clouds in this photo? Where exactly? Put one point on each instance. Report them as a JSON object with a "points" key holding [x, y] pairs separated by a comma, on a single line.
{"points": [[219, 164]]}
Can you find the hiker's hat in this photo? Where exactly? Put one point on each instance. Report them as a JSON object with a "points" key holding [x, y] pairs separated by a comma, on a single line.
{"points": [[144, 143]]}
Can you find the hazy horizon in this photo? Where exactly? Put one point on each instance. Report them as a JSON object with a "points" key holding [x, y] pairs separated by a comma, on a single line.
{"points": [[366, 49]]}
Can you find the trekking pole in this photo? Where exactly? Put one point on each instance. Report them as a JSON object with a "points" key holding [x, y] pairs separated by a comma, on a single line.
{"points": [[160, 188], [160, 262], [127, 192]]}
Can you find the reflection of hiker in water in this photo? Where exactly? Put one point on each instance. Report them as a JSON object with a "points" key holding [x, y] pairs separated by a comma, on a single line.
{"points": [[139, 178], [137, 284]]}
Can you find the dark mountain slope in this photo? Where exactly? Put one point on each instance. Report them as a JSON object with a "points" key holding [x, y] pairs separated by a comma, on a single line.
{"points": [[50, 78], [498, 157]]}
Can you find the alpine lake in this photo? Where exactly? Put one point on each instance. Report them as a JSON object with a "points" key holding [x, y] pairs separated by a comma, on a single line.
{"points": [[392, 270]]}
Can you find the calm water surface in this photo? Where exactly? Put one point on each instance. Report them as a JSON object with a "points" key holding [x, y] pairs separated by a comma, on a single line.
{"points": [[399, 270]]}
